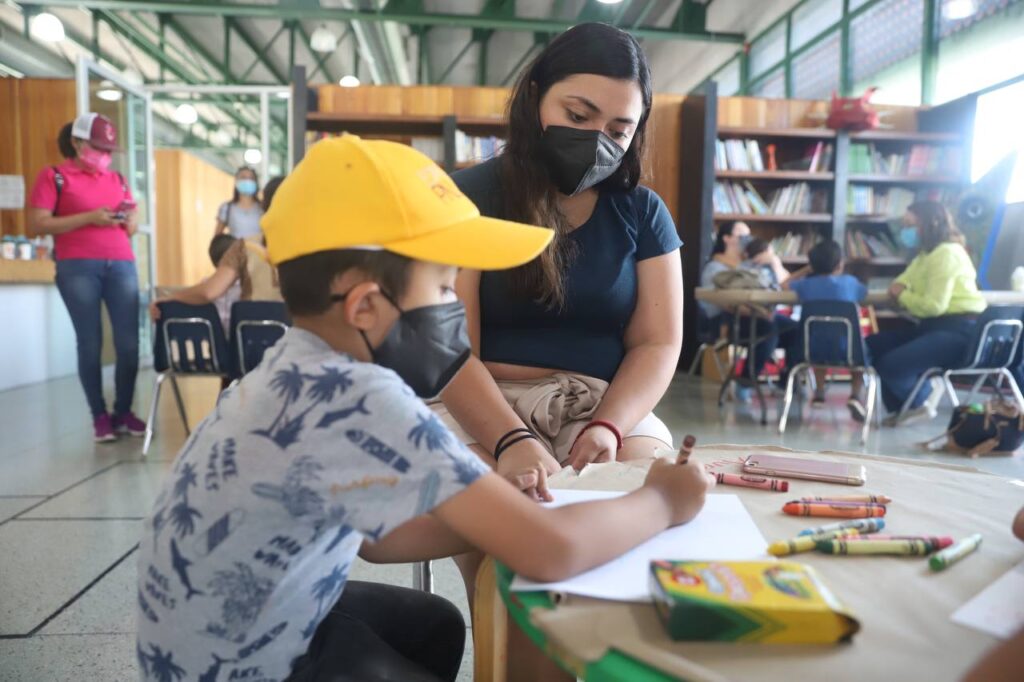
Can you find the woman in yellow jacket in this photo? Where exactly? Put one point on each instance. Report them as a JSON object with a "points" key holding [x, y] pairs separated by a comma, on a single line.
{"points": [[939, 287]]}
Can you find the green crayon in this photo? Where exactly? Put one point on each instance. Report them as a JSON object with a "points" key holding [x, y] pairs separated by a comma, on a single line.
{"points": [[951, 555]]}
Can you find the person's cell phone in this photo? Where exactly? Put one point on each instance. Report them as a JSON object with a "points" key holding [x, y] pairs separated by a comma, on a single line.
{"points": [[812, 470], [121, 212]]}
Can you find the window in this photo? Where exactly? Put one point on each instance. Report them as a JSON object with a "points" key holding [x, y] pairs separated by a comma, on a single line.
{"points": [[728, 78], [813, 18], [816, 71], [768, 50], [997, 132], [772, 86], [980, 50], [885, 51]]}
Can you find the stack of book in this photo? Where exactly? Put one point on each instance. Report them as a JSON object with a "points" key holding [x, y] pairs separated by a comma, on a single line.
{"points": [[860, 244], [733, 197], [921, 160], [792, 244], [468, 148], [738, 155], [867, 200], [816, 159]]}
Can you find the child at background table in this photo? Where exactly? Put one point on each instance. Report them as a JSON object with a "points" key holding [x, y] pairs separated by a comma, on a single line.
{"points": [[825, 281]]}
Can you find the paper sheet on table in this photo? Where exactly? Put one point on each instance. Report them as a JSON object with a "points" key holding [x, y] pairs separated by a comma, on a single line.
{"points": [[722, 531], [999, 608]]}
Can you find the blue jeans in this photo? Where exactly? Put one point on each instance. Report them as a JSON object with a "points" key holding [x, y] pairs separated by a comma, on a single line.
{"points": [[784, 335], [83, 284], [901, 357]]}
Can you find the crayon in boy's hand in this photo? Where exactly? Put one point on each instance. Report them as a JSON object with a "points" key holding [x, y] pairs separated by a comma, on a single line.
{"points": [[805, 543], [838, 510], [951, 555], [862, 525], [749, 481], [877, 499], [686, 449], [889, 547]]}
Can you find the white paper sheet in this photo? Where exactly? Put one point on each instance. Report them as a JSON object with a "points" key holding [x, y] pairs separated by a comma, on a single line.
{"points": [[722, 531], [999, 608]]}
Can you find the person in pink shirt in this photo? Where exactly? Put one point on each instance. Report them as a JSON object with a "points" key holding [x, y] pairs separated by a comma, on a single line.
{"points": [[90, 212]]}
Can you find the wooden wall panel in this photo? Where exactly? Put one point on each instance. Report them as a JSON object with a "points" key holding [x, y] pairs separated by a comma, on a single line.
{"points": [[425, 100], [664, 141], [486, 102], [33, 111], [189, 192], [798, 113]]}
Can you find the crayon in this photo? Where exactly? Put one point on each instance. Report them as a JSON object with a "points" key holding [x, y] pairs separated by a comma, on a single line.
{"points": [[862, 525], [891, 547], [877, 499], [686, 449], [842, 511], [951, 555], [936, 541], [748, 481], [805, 543]]}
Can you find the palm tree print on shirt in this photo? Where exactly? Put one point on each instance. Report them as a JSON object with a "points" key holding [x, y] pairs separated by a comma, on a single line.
{"points": [[158, 665], [326, 591], [432, 433], [182, 516], [289, 385], [244, 594]]}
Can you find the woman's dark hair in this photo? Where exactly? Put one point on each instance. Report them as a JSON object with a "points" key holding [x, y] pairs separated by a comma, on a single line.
{"points": [[219, 245], [530, 195], [255, 176], [306, 280], [825, 257], [269, 190], [935, 224], [724, 230], [64, 144]]}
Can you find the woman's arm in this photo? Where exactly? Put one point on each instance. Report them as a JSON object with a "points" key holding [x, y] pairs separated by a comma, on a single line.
{"points": [[653, 340], [476, 403], [933, 297], [41, 221]]}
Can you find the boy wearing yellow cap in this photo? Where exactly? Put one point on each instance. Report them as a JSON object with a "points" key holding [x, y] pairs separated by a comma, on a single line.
{"points": [[327, 450]]}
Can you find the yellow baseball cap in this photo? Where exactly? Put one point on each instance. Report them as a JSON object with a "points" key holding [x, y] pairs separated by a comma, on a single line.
{"points": [[350, 193]]}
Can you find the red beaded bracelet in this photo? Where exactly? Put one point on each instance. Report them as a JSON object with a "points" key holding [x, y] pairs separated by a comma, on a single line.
{"points": [[606, 424]]}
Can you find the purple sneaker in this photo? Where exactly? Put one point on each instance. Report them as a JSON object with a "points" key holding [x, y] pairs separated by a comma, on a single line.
{"points": [[103, 429], [130, 424]]}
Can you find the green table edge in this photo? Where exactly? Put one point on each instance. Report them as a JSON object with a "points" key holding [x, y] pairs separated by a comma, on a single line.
{"points": [[614, 666]]}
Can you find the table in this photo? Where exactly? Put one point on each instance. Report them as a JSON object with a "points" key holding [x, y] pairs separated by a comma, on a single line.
{"points": [[762, 301], [903, 608]]}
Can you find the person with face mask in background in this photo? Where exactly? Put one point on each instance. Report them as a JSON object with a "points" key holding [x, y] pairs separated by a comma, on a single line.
{"points": [[940, 289], [241, 216], [89, 210]]}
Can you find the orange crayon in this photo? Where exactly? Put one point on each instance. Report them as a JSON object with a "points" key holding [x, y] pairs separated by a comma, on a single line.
{"points": [[836, 510], [747, 481]]}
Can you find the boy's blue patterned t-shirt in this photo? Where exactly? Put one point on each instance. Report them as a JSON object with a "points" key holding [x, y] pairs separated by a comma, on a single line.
{"points": [[252, 535]]}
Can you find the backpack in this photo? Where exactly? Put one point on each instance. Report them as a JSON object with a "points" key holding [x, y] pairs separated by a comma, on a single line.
{"points": [[738, 278], [997, 427]]}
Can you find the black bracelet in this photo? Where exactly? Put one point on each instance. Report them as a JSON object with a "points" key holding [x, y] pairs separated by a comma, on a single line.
{"points": [[506, 445], [501, 441]]}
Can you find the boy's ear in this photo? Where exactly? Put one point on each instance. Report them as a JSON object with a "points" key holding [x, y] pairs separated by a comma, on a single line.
{"points": [[360, 309]]}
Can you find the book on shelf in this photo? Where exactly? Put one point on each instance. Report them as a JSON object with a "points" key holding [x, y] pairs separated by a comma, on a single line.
{"points": [[746, 155], [469, 148], [865, 200], [879, 244], [734, 197], [817, 158], [922, 160], [794, 244]]}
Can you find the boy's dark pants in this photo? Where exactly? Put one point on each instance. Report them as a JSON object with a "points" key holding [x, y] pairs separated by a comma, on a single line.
{"points": [[383, 633]]}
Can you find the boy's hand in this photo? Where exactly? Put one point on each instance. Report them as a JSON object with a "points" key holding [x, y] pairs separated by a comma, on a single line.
{"points": [[596, 444], [682, 486], [532, 481]]}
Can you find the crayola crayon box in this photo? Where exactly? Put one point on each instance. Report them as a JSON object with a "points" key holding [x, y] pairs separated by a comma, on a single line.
{"points": [[748, 601]]}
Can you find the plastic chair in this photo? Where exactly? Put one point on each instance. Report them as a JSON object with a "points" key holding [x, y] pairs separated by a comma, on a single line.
{"points": [[991, 354], [189, 341], [837, 325], [709, 335], [255, 327]]}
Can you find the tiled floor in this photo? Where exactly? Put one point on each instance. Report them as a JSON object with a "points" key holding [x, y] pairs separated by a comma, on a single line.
{"points": [[70, 514]]}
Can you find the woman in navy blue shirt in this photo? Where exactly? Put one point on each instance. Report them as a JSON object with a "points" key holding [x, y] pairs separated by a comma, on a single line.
{"points": [[574, 350]]}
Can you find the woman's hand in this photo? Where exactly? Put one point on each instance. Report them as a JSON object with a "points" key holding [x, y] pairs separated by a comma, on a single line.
{"points": [[154, 310], [596, 444], [101, 216], [525, 456], [130, 224], [896, 289], [532, 481]]}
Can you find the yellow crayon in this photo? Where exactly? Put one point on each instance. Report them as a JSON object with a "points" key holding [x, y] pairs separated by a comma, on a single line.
{"points": [[891, 547], [805, 543]]}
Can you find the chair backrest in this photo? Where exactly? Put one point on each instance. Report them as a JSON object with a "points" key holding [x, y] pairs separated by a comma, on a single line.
{"points": [[255, 327], [996, 338], [189, 339], [707, 327], [831, 332]]}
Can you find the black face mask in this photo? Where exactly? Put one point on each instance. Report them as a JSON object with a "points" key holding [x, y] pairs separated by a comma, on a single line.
{"points": [[579, 159], [426, 346]]}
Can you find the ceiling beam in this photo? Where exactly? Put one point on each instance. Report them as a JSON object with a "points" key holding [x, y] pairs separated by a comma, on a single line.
{"points": [[414, 18], [261, 53]]}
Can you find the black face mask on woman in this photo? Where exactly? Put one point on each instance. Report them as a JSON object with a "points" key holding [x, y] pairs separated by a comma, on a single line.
{"points": [[426, 346], [579, 159]]}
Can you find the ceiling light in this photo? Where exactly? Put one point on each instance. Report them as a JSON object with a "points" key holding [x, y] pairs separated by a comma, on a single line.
{"points": [[609, 2], [46, 27], [284, 94], [954, 10], [348, 82], [186, 114], [252, 156], [323, 40], [108, 92]]}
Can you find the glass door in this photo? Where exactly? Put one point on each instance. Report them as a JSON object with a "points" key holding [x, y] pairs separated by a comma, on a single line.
{"points": [[129, 107]]}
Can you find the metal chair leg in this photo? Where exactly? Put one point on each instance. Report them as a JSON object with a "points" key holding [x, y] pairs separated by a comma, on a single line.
{"points": [[978, 385], [872, 382], [154, 401], [422, 576], [181, 404], [697, 358], [787, 401], [1006, 374], [925, 376], [947, 385]]}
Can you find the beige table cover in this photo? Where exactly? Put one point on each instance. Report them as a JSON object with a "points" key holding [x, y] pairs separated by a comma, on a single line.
{"points": [[726, 298], [903, 607]]}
